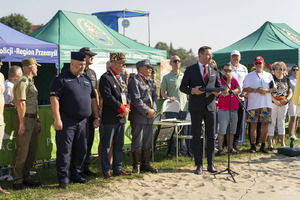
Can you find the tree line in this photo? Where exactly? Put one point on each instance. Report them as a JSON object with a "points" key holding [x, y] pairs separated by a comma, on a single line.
{"points": [[187, 57]]}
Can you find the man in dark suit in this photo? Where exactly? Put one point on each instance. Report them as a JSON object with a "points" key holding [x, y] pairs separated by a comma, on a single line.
{"points": [[202, 105], [115, 109]]}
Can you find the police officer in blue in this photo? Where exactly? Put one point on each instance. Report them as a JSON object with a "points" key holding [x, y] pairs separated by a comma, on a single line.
{"points": [[115, 109], [143, 109], [72, 101]]}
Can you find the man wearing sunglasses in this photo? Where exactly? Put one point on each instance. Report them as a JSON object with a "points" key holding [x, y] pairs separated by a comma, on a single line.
{"points": [[89, 54], [170, 90], [202, 105], [239, 72], [115, 109], [259, 84]]}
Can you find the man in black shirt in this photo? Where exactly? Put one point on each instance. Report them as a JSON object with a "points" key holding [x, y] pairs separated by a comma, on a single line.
{"points": [[92, 75]]}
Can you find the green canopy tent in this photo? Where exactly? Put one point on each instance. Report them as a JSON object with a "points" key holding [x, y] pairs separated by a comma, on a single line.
{"points": [[273, 41], [71, 31]]}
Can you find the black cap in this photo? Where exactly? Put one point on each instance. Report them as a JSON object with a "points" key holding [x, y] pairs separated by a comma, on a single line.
{"points": [[145, 62], [87, 51], [77, 56]]}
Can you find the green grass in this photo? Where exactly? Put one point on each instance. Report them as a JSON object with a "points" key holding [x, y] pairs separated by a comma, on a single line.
{"points": [[49, 190]]}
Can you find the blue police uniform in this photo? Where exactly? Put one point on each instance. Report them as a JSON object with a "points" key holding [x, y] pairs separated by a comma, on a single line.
{"points": [[75, 98]]}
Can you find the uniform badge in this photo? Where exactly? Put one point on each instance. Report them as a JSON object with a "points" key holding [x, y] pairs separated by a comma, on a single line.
{"points": [[115, 86]]}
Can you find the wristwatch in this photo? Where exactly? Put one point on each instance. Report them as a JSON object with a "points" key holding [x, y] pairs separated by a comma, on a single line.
{"points": [[99, 119]]}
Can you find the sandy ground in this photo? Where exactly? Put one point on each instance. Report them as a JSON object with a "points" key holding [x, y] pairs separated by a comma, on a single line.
{"points": [[261, 178]]}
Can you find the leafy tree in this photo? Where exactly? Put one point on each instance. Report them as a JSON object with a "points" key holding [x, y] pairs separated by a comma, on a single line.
{"points": [[18, 22], [187, 57], [162, 45]]}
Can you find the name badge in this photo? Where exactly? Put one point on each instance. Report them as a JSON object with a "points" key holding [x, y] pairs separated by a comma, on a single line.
{"points": [[124, 101]]}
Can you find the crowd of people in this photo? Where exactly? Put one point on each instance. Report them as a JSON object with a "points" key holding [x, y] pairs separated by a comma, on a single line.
{"points": [[80, 104]]}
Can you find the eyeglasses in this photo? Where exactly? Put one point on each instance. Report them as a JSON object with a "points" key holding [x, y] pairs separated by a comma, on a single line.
{"points": [[227, 70], [122, 64], [295, 70], [210, 55], [258, 63], [278, 69], [176, 61]]}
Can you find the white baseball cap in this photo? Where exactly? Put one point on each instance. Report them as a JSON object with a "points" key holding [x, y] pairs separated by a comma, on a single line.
{"points": [[235, 52]]}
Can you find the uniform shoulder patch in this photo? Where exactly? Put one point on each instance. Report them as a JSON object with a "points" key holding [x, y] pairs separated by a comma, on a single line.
{"points": [[23, 79]]}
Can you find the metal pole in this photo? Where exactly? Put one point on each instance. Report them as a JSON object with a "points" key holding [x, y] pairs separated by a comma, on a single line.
{"points": [[123, 20], [149, 28]]}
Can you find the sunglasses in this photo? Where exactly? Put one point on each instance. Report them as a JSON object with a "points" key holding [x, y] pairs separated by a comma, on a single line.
{"points": [[122, 64], [295, 70], [227, 70], [176, 61], [278, 69], [258, 63]]}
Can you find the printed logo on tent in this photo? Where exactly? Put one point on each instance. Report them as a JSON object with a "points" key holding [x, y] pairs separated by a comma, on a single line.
{"points": [[94, 31], [292, 36]]}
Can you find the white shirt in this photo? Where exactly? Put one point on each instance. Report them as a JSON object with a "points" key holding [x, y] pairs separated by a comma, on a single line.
{"points": [[256, 80], [202, 69], [239, 73], [8, 94]]}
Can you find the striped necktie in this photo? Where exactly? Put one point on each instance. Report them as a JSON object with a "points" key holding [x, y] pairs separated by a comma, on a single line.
{"points": [[205, 74]]}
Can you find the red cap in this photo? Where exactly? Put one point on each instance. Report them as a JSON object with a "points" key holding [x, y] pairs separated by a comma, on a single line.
{"points": [[259, 59]]}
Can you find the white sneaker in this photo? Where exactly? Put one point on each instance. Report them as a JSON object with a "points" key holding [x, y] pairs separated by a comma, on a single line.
{"points": [[2, 178], [294, 137], [9, 178], [32, 173]]}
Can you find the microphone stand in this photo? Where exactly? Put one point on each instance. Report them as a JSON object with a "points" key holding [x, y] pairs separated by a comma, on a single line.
{"points": [[231, 172]]}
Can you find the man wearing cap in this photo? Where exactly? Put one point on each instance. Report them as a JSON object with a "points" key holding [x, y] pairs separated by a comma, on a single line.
{"points": [[115, 109], [239, 72], [27, 125], [202, 105], [2, 89], [170, 90], [72, 100], [92, 75], [143, 109], [259, 84]]}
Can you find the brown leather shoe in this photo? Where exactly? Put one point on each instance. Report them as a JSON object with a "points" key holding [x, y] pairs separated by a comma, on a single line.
{"points": [[121, 172], [106, 175]]}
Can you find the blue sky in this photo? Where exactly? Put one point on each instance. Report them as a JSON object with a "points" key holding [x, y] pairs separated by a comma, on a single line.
{"points": [[186, 23]]}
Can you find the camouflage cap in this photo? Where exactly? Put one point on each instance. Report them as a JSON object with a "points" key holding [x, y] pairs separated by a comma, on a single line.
{"points": [[117, 57], [29, 61]]}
